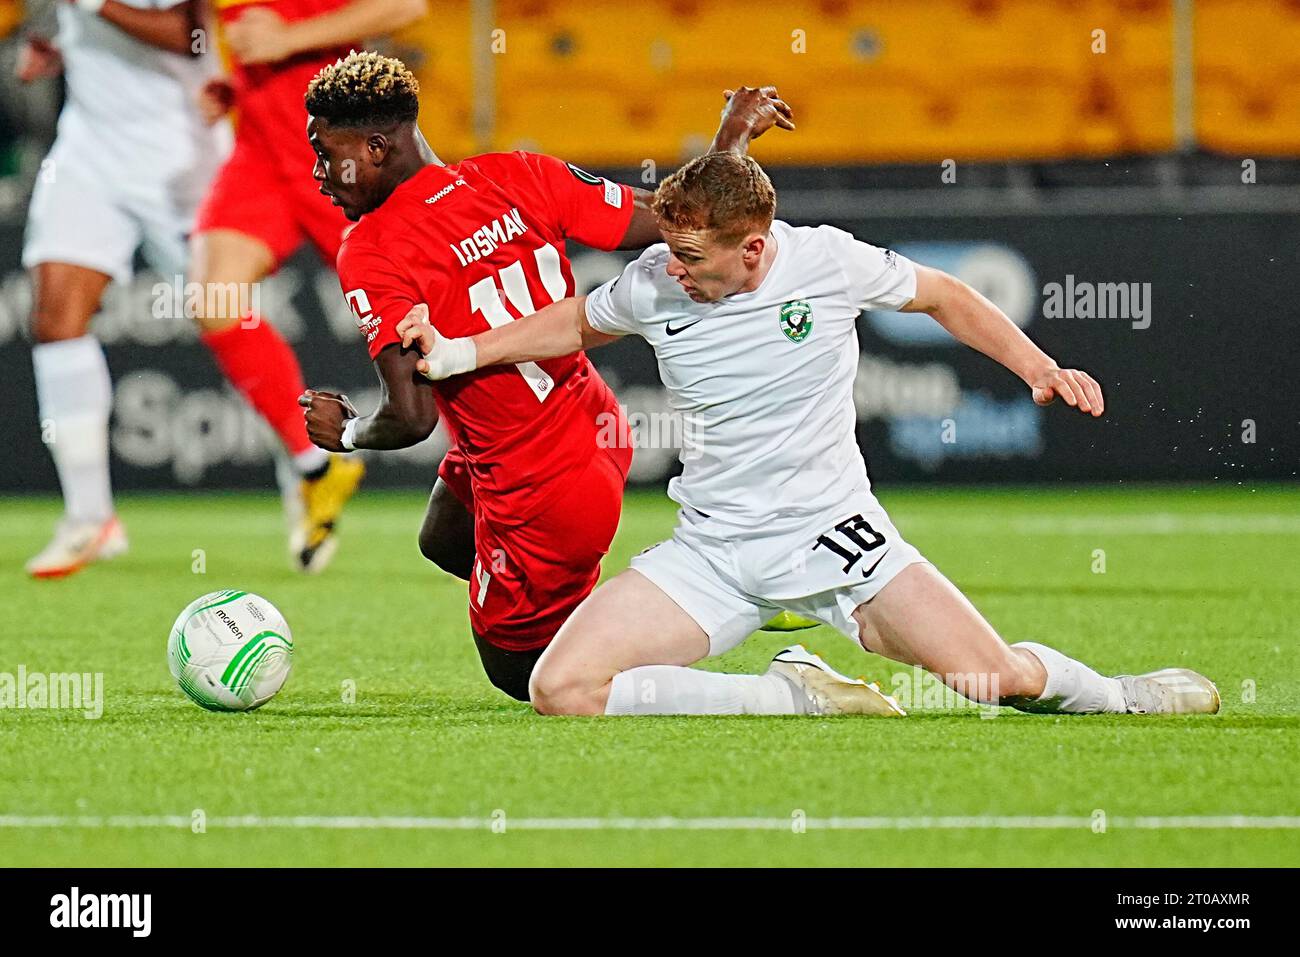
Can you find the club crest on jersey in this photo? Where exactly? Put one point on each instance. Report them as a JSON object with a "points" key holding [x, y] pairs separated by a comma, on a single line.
{"points": [[796, 320]]}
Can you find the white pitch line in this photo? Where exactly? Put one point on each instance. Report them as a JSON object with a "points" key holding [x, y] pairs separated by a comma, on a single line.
{"points": [[1028, 522], [395, 823], [1141, 523]]}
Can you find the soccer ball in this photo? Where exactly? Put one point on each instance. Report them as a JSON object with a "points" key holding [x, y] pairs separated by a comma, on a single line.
{"points": [[230, 651]]}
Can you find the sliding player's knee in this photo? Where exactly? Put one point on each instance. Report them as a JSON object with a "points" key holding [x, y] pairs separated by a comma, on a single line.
{"points": [[446, 550], [447, 533], [1020, 674], [430, 547], [554, 689]]}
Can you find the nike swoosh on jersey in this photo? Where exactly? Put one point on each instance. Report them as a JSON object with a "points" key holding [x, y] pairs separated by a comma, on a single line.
{"points": [[668, 326]]}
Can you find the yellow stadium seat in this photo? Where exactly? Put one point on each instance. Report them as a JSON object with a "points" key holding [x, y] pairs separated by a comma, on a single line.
{"points": [[1015, 115], [1144, 101], [437, 49], [1247, 59], [1139, 34], [869, 80], [975, 36], [573, 38], [582, 123], [844, 118], [11, 15], [1249, 118]]}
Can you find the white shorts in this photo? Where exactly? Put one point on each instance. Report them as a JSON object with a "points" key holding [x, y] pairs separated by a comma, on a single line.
{"points": [[87, 217], [733, 580]]}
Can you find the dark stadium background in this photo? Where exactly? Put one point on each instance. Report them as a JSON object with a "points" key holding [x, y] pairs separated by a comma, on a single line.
{"points": [[993, 138]]}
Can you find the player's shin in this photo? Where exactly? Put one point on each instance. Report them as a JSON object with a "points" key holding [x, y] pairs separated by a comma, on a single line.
{"points": [[667, 689], [1071, 687], [257, 361]]}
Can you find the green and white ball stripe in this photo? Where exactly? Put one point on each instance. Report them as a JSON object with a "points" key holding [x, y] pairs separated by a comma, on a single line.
{"points": [[230, 651]]}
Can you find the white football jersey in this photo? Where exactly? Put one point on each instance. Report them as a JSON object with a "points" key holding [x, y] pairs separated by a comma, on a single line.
{"points": [[130, 106], [762, 380]]}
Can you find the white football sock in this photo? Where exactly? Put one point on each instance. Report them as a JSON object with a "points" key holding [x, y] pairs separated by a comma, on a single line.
{"points": [[310, 461], [75, 395], [1072, 687], [666, 689]]}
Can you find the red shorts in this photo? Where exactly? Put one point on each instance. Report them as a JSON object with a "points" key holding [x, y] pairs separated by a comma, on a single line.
{"points": [[253, 194], [528, 578]]}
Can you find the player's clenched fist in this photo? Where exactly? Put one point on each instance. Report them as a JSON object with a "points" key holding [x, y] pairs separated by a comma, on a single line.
{"points": [[1076, 388], [443, 357], [326, 414], [260, 36], [216, 98]]}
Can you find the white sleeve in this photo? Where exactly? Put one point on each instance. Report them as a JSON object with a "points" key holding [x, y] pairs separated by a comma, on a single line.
{"points": [[609, 306], [877, 278]]}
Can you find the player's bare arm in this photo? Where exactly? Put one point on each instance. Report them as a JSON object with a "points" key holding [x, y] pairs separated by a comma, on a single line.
{"points": [[406, 415], [559, 329], [262, 36], [38, 59], [174, 29], [748, 114], [975, 321]]}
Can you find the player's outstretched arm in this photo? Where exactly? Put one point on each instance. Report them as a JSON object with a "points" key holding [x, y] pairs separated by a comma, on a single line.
{"points": [[559, 329], [975, 321], [406, 415], [177, 29], [261, 36], [748, 114]]}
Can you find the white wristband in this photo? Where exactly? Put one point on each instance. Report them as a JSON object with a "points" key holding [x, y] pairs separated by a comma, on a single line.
{"points": [[90, 6], [349, 437]]}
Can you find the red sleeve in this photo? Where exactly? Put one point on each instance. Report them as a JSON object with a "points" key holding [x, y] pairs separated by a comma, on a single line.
{"points": [[592, 210], [378, 291]]}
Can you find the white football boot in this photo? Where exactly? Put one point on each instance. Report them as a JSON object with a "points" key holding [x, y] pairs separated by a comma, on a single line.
{"points": [[825, 691], [1171, 691], [75, 545]]}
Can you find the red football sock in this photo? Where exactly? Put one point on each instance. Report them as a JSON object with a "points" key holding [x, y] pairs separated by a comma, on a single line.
{"points": [[260, 364]]}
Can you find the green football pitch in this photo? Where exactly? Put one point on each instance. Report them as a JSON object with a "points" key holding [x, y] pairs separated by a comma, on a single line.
{"points": [[388, 746]]}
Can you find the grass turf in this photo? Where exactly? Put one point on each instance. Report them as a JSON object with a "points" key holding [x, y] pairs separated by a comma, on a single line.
{"points": [[1199, 577]]}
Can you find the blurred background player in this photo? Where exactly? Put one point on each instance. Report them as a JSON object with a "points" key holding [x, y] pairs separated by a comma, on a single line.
{"points": [[127, 170], [135, 72], [262, 206], [541, 451]]}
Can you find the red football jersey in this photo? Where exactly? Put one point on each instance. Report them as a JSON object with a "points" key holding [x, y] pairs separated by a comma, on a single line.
{"points": [[482, 243]]}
